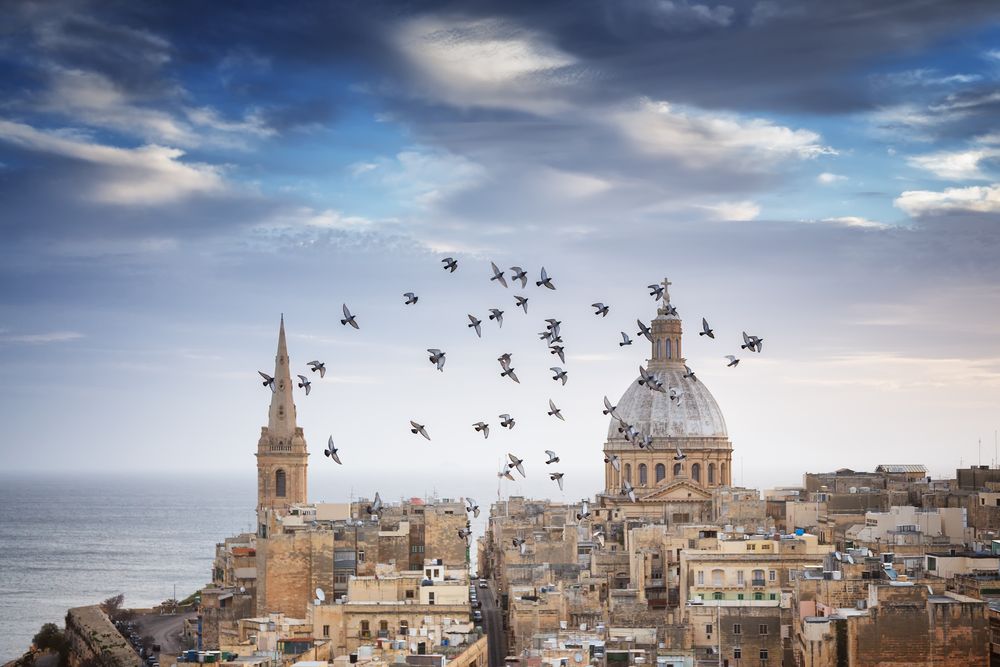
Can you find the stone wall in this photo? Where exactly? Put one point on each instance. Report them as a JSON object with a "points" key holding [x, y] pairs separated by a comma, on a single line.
{"points": [[92, 636]]}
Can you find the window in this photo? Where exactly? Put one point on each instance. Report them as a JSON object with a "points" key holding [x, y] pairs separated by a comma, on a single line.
{"points": [[701, 577], [722, 474], [326, 630], [678, 468], [774, 596], [661, 472], [763, 654], [404, 627], [696, 472], [430, 598], [716, 595], [758, 577], [642, 474], [708, 628], [772, 575], [718, 576], [739, 596], [711, 473], [279, 483], [739, 578], [737, 653], [658, 347], [762, 629], [758, 596], [669, 356], [361, 555], [628, 473], [409, 594], [737, 629], [365, 630]]}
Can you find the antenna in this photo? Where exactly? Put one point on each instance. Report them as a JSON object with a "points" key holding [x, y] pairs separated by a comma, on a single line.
{"points": [[320, 596]]}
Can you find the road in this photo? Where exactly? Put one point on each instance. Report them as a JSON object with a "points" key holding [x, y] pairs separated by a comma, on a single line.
{"points": [[493, 625], [165, 630]]}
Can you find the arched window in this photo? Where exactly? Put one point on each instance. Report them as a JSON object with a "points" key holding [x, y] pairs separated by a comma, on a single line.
{"points": [[678, 469], [711, 473], [668, 350], [722, 474], [661, 472], [642, 474], [279, 484], [758, 578], [696, 472], [718, 577], [628, 473], [657, 347], [717, 595]]}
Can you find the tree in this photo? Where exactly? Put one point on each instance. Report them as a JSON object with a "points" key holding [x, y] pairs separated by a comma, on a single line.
{"points": [[52, 638], [113, 608]]}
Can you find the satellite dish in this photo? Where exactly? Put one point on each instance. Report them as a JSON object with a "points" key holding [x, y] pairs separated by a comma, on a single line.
{"points": [[320, 595], [578, 658], [243, 589]]}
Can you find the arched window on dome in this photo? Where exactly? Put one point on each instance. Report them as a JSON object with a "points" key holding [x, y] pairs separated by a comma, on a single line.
{"points": [[628, 473], [657, 347], [643, 475], [696, 472], [661, 472], [722, 474], [668, 349], [279, 484], [678, 469], [711, 473]]}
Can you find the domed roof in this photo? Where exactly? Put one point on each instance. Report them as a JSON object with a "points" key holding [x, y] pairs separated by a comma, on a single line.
{"points": [[697, 415]]}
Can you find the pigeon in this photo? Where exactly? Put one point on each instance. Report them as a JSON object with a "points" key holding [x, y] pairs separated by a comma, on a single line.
{"points": [[317, 367], [376, 506], [679, 456], [505, 472], [523, 548], [437, 357], [733, 361], [676, 395], [517, 273], [475, 324], [348, 318], [669, 310], [498, 275], [608, 408], [627, 490], [600, 309], [545, 280], [464, 533], [518, 541], [546, 336], [625, 340], [472, 506], [497, 314], [557, 478], [521, 301], [268, 380], [418, 428], [615, 462], [558, 349], [645, 442], [560, 374], [584, 512], [552, 325], [516, 463], [305, 383], [644, 331], [598, 536], [504, 359], [646, 378], [331, 452], [751, 343], [482, 427], [655, 291], [554, 411], [507, 422], [411, 298], [508, 371], [705, 329], [450, 264], [552, 457], [688, 373]]}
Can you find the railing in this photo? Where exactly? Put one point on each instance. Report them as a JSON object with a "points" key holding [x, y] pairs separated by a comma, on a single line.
{"points": [[758, 583], [280, 448]]}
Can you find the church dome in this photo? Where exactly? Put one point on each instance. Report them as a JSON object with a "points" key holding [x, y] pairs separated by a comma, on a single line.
{"points": [[697, 415]]}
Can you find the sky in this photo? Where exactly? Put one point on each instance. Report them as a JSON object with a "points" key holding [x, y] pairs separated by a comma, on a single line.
{"points": [[175, 176]]}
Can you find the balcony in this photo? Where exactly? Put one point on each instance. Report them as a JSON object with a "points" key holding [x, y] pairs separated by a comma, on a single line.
{"points": [[758, 583]]}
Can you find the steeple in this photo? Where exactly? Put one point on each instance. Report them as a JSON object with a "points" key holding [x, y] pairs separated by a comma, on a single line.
{"points": [[667, 334], [281, 416]]}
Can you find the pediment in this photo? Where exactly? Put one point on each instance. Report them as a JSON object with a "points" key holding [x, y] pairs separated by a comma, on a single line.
{"points": [[677, 490]]}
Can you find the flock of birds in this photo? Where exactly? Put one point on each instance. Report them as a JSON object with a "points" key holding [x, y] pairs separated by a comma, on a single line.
{"points": [[552, 336]]}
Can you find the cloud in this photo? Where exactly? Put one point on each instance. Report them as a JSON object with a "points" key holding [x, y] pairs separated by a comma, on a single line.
{"points": [[955, 165], [421, 176], [734, 210], [855, 221], [972, 199], [40, 338], [827, 178], [305, 216]]}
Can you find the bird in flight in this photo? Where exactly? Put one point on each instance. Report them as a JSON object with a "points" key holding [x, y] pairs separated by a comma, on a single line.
{"points": [[552, 457], [679, 456], [331, 452], [521, 301], [600, 309], [517, 273], [507, 422], [516, 464], [644, 331], [317, 367], [670, 310], [558, 349], [508, 370], [598, 535], [464, 533], [376, 506], [554, 411], [505, 472], [557, 477], [450, 264], [475, 324], [733, 361], [752, 343], [498, 275], [418, 428], [608, 408], [676, 395], [584, 512], [348, 318], [304, 383], [615, 462], [655, 291], [705, 329], [472, 506], [437, 357], [560, 374], [689, 374], [545, 280], [411, 298], [625, 340], [627, 490], [497, 314], [268, 380], [482, 427], [552, 325]]}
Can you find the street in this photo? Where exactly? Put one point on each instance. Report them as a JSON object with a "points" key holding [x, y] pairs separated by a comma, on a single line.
{"points": [[493, 625], [164, 629]]}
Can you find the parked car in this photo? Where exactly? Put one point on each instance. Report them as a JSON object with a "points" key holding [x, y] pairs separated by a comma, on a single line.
{"points": [[477, 616], [483, 584]]}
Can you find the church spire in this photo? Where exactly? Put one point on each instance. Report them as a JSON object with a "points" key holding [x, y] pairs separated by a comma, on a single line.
{"points": [[667, 334], [281, 416]]}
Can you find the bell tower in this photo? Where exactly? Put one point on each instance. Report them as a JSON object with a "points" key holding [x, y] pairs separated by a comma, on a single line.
{"points": [[666, 332], [282, 457]]}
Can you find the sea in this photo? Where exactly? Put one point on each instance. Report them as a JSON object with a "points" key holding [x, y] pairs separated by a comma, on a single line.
{"points": [[72, 540]]}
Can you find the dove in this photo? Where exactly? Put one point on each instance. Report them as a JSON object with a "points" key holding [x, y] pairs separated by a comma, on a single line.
{"points": [[516, 463], [507, 422], [679, 456], [305, 383], [521, 301], [560, 374], [645, 377], [376, 506], [689, 374], [546, 336], [669, 310], [482, 427], [505, 472], [498, 275], [331, 452], [348, 318], [450, 264], [676, 395], [472, 506], [598, 536], [558, 349], [504, 359], [625, 340], [411, 298], [475, 324], [497, 314], [508, 371], [751, 343], [645, 442], [552, 457], [552, 325], [523, 548], [584, 512], [655, 291], [517, 541], [705, 329], [418, 428], [733, 361], [554, 411], [600, 309], [437, 357], [545, 280], [608, 408], [615, 462], [464, 533], [558, 478], [627, 490], [317, 367], [517, 273], [268, 380], [644, 331]]}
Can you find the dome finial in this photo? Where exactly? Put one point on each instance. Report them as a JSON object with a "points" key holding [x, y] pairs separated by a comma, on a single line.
{"points": [[666, 290]]}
